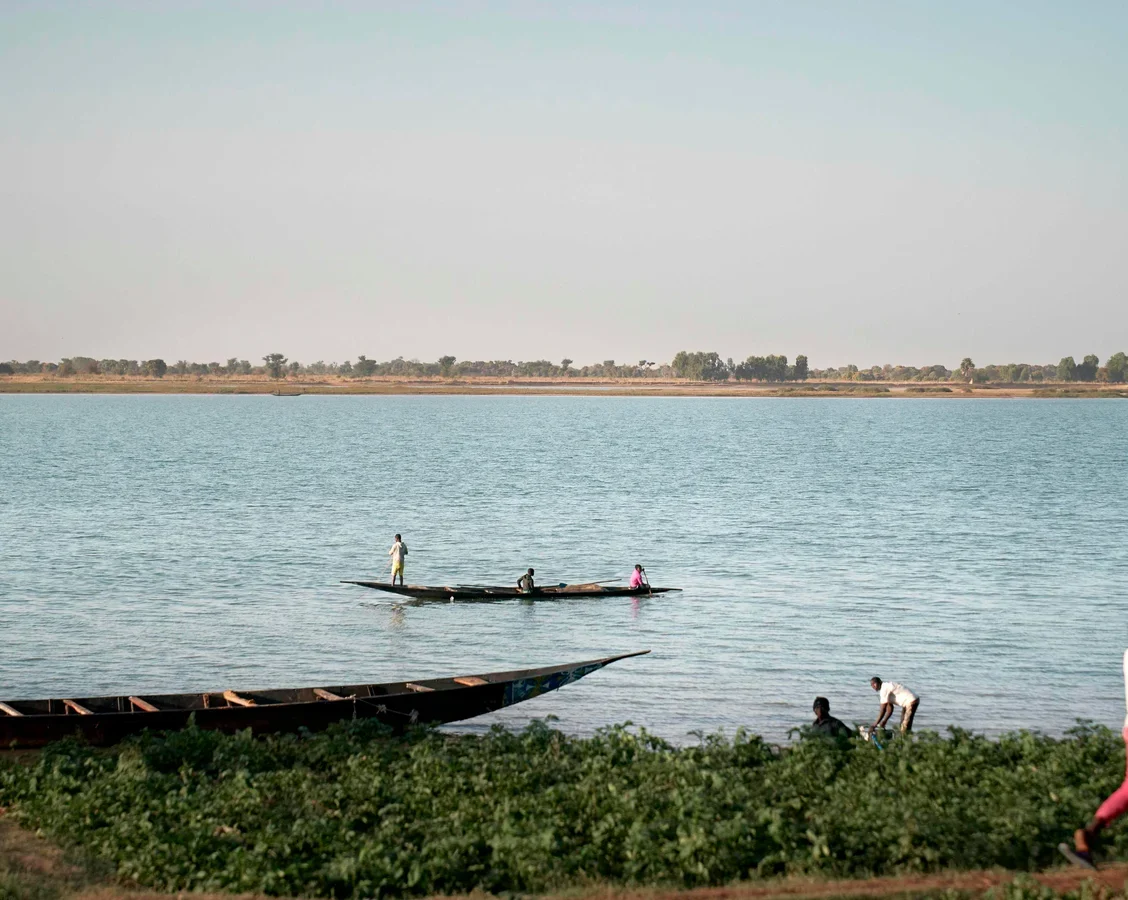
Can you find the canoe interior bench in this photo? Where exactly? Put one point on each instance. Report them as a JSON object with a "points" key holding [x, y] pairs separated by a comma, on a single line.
{"points": [[75, 706], [143, 705], [470, 681], [421, 688], [329, 695]]}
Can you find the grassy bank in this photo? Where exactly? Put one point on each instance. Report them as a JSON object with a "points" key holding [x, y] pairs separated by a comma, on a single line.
{"points": [[354, 813]]}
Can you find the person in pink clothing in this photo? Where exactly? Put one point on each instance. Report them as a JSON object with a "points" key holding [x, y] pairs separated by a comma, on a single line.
{"points": [[638, 578], [1085, 839]]}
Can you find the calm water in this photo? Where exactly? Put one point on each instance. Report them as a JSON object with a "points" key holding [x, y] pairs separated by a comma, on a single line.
{"points": [[974, 550]]}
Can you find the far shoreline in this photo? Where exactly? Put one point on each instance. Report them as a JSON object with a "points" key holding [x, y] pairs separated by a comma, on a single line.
{"points": [[571, 387]]}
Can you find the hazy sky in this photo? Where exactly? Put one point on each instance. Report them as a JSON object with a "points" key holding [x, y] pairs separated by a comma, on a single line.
{"points": [[861, 182]]}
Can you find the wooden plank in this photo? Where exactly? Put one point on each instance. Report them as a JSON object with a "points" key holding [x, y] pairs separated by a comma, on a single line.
{"points": [[232, 697], [4, 707], [421, 688], [327, 695], [77, 707], [144, 705], [470, 680]]}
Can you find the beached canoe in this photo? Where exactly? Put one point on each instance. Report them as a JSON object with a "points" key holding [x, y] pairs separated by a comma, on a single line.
{"points": [[107, 720], [480, 593]]}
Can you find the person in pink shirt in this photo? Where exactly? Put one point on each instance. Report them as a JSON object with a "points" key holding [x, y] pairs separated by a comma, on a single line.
{"points": [[1085, 839], [638, 578]]}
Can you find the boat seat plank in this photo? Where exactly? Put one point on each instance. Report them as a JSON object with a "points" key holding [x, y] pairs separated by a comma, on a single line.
{"points": [[143, 705], [77, 707], [327, 695], [232, 697], [11, 711], [421, 688], [470, 680]]}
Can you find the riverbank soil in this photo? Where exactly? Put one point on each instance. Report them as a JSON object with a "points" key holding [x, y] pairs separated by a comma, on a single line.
{"points": [[626, 387], [31, 868]]}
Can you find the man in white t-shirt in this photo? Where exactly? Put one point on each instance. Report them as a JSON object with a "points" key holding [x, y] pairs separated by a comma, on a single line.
{"points": [[890, 694]]}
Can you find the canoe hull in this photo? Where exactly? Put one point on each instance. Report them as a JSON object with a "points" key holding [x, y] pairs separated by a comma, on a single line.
{"points": [[473, 594], [399, 704]]}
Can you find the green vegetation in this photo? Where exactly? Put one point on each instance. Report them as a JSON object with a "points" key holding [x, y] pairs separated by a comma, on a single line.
{"points": [[691, 366], [846, 390], [1068, 393], [354, 813]]}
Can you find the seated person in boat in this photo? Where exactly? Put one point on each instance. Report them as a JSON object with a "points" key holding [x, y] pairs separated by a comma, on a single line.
{"points": [[825, 723], [638, 578], [525, 583]]}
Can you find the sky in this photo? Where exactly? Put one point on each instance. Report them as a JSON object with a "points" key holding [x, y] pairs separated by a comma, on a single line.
{"points": [[860, 182]]}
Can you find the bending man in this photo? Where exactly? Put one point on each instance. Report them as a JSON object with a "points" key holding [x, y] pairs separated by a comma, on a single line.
{"points": [[1085, 839], [890, 694]]}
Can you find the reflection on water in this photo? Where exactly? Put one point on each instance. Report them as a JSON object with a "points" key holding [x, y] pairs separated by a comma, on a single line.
{"points": [[971, 550]]}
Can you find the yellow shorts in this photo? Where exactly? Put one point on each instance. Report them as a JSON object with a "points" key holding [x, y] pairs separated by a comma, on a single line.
{"points": [[397, 568]]}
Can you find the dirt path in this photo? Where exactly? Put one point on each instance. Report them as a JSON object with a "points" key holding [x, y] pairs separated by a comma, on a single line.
{"points": [[1112, 877]]}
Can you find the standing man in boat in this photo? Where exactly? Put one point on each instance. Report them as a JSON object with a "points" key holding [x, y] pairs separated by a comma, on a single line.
{"points": [[890, 694], [525, 583], [638, 578], [397, 553]]}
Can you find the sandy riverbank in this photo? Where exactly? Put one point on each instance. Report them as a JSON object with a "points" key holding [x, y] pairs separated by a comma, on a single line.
{"points": [[17, 384]]}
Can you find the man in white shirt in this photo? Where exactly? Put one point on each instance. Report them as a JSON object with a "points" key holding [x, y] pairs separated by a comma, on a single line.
{"points": [[397, 553], [890, 694]]}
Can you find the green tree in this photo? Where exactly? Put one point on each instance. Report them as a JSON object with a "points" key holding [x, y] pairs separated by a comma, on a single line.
{"points": [[275, 363], [1067, 369], [1087, 371], [699, 366], [564, 363], [364, 366], [155, 368], [446, 366], [1117, 367], [801, 370], [967, 367]]}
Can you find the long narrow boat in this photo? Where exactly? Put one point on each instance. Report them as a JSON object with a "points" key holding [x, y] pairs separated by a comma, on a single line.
{"points": [[107, 720], [481, 593]]}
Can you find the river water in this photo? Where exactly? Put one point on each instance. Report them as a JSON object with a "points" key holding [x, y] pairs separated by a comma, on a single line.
{"points": [[974, 550]]}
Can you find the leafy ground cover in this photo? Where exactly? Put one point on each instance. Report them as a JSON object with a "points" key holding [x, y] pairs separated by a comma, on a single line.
{"points": [[355, 813]]}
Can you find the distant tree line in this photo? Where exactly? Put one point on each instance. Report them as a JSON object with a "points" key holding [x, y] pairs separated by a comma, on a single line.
{"points": [[689, 365], [1068, 370]]}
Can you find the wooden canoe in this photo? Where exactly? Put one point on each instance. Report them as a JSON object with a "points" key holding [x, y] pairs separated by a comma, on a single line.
{"points": [[483, 593], [106, 720]]}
